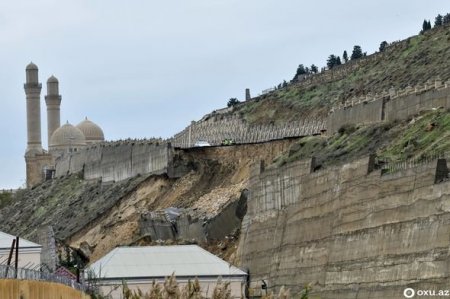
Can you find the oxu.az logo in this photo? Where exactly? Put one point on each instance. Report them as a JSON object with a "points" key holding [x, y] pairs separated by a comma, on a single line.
{"points": [[411, 293]]}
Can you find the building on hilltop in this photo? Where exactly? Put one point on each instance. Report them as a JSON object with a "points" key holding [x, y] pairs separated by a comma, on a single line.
{"points": [[61, 139]]}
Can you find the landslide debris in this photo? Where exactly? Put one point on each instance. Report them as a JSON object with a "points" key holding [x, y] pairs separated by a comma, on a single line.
{"points": [[100, 216]]}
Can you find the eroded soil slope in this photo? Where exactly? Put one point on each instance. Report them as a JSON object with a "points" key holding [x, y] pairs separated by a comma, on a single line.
{"points": [[104, 216]]}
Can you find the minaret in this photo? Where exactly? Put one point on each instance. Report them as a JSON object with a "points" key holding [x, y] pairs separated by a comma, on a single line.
{"points": [[53, 101], [33, 91]]}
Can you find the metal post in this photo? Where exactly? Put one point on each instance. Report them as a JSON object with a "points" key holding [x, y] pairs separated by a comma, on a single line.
{"points": [[10, 257], [17, 256], [78, 274], [189, 139]]}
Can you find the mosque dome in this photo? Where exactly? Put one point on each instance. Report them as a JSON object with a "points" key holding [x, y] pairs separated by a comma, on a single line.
{"points": [[67, 137], [31, 66], [92, 132], [52, 79]]}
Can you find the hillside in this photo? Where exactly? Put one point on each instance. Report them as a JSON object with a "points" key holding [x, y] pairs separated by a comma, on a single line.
{"points": [[408, 62], [97, 216], [423, 137], [105, 215]]}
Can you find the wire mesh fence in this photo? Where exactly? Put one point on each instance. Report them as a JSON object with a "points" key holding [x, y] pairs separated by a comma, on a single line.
{"points": [[8, 272]]}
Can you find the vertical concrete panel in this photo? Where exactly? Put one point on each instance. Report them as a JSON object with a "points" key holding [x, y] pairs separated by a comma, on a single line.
{"points": [[92, 169], [108, 163], [122, 165]]}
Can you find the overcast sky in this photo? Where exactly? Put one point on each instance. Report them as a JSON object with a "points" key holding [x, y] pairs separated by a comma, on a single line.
{"points": [[144, 68]]}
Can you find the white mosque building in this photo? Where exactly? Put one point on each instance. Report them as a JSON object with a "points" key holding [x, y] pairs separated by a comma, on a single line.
{"points": [[61, 139]]}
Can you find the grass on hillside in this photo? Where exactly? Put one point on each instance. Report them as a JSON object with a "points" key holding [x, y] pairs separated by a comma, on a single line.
{"points": [[412, 61], [418, 138], [5, 199]]}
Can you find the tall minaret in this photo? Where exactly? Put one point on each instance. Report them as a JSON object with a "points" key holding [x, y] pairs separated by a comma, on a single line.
{"points": [[33, 91], [53, 101]]}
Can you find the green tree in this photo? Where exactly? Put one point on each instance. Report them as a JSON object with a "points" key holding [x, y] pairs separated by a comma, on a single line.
{"points": [[285, 83], [383, 46], [314, 69], [446, 19], [345, 56], [357, 53], [438, 21], [426, 25], [331, 61], [338, 60], [232, 102], [300, 71]]}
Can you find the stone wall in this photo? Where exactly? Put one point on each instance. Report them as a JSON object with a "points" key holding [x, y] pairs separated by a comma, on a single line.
{"points": [[36, 166], [349, 232], [117, 161], [390, 105]]}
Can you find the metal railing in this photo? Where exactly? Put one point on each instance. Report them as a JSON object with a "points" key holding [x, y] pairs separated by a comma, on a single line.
{"points": [[29, 274], [391, 167]]}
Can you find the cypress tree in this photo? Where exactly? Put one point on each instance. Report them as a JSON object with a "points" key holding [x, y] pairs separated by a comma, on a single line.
{"points": [[438, 21], [345, 57], [383, 46], [446, 19]]}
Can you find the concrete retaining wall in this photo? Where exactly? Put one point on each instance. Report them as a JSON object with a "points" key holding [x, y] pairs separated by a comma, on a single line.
{"points": [[362, 113], [409, 105], [116, 161], [389, 106], [351, 233]]}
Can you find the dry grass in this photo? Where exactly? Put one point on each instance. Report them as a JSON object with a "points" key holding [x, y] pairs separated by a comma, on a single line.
{"points": [[170, 289]]}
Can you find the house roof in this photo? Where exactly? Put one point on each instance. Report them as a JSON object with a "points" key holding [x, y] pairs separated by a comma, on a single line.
{"points": [[162, 261], [7, 239]]}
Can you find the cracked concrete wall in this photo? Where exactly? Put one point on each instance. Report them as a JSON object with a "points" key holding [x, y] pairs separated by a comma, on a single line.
{"points": [[348, 232], [187, 226]]}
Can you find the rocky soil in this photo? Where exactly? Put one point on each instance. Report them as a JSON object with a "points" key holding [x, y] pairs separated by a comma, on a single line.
{"points": [[98, 217]]}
